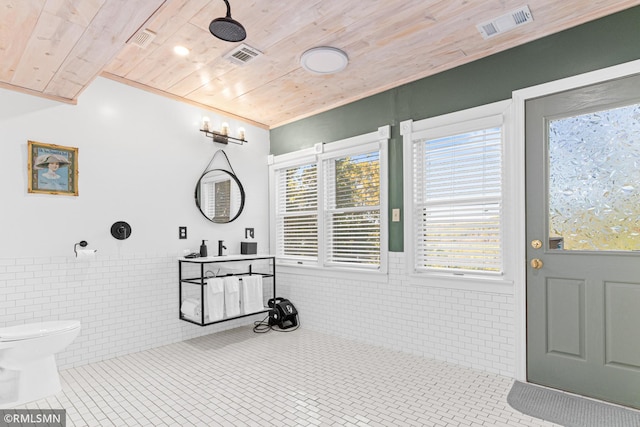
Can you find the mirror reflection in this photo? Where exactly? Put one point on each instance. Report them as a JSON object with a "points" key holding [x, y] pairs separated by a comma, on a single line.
{"points": [[219, 196]]}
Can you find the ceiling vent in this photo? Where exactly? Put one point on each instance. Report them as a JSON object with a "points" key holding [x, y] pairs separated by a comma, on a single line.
{"points": [[142, 38], [505, 22], [242, 54]]}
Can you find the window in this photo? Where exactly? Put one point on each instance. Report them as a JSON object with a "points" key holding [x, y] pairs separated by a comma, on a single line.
{"points": [[352, 209], [329, 204], [297, 212], [454, 175]]}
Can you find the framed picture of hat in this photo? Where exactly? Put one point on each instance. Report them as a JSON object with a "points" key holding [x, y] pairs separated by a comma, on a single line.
{"points": [[53, 169]]}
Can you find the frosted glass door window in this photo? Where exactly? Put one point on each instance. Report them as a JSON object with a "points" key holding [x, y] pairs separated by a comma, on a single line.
{"points": [[594, 181]]}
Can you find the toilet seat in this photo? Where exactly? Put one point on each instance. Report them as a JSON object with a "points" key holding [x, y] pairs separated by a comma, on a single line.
{"points": [[34, 330]]}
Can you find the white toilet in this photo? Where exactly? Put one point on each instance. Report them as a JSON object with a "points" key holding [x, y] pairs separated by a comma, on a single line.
{"points": [[28, 368]]}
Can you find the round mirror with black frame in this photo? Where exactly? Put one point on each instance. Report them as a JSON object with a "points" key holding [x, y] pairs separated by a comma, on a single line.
{"points": [[219, 196]]}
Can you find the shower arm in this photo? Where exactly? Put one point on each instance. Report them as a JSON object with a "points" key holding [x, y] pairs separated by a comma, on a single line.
{"points": [[228, 8]]}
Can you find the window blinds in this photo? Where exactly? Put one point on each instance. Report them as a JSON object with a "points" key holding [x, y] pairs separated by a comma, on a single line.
{"points": [[457, 185], [297, 212], [352, 209], [330, 206]]}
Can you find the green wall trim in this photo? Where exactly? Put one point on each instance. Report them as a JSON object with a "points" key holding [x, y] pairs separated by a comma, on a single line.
{"points": [[598, 44]]}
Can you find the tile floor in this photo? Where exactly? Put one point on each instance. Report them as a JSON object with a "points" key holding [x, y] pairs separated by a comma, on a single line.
{"points": [[303, 378]]}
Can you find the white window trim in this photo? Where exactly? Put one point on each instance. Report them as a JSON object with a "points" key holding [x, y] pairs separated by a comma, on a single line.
{"points": [[461, 121], [377, 140]]}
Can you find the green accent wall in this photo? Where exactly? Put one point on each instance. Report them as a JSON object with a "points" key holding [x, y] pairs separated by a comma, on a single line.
{"points": [[608, 41]]}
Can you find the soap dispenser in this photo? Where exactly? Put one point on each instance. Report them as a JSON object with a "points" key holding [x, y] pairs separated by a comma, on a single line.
{"points": [[203, 249]]}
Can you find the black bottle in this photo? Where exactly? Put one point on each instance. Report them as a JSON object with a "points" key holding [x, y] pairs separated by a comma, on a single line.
{"points": [[203, 249]]}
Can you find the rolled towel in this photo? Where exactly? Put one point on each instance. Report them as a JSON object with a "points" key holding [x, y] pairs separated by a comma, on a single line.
{"points": [[191, 309], [215, 299], [231, 296], [252, 294]]}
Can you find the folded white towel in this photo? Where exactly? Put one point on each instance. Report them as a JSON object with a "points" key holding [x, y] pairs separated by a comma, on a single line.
{"points": [[231, 296], [215, 299], [191, 309], [252, 294]]}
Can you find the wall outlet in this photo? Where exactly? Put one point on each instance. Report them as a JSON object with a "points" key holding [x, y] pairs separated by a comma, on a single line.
{"points": [[248, 233], [182, 232], [395, 215]]}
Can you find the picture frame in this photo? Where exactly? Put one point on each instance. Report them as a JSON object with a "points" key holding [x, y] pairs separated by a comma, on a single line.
{"points": [[53, 169]]}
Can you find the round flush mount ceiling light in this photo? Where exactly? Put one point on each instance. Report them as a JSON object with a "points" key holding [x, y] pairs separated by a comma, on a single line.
{"points": [[324, 60]]}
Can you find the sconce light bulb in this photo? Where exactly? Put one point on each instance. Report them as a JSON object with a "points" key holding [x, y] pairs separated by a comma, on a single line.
{"points": [[241, 133], [224, 128], [205, 123]]}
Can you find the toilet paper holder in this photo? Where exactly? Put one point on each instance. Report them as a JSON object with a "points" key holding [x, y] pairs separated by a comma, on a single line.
{"points": [[82, 244]]}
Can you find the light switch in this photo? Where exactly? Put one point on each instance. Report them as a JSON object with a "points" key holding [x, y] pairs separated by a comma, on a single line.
{"points": [[395, 215]]}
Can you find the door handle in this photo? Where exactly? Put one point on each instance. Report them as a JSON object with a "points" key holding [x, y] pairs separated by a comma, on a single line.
{"points": [[536, 263]]}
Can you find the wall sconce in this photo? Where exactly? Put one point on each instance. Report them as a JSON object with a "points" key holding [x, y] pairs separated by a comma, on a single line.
{"points": [[222, 136]]}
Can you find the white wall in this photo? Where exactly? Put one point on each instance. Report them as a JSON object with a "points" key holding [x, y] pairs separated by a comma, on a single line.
{"points": [[140, 156], [470, 327]]}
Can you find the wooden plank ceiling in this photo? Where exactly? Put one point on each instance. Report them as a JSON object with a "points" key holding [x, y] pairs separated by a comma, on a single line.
{"points": [[56, 48]]}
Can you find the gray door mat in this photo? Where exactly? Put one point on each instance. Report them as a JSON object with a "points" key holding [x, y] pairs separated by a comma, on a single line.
{"points": [[569, 410]]}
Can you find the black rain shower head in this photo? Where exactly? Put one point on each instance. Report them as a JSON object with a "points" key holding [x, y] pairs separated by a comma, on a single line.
{"points": [[227, 28]]}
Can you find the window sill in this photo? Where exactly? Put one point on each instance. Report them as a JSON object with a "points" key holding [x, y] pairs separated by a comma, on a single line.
{"points": [[334, 272], [473, 283]]}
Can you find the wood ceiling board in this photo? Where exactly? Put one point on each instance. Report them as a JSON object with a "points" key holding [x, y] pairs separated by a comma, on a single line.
{"points": [[165, 23], [432, 65], [264, 20], [214, 93], [306, 85], [48, 47], [104, 37], [303, 23], [272, 67], [201, 78], [241, 79], [79, 12], [389, 43], [252, 74], [179, 68], [281, 58], [565, 15], [223, 92], [181, 99], [293, 95], [162, 68], [18, 18], [264, 28], [37, 94]]}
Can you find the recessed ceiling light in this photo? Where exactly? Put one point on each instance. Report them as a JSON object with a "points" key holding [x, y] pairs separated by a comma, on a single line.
{"points": [[181, 50], [324, 60]]}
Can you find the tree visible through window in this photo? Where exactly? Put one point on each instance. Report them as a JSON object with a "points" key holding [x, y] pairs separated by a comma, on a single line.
{"points": [[353, 209], [329, 207]]}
